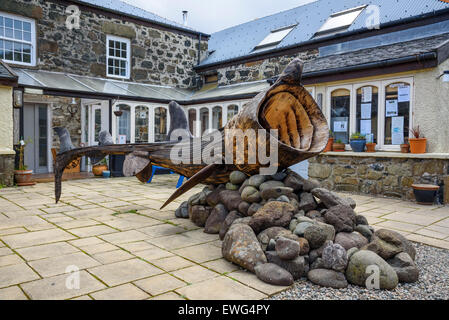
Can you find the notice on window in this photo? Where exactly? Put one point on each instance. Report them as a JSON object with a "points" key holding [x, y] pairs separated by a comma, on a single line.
{"points": [[391, 108], [367, 94], [403, 93], [366, 110], [122, 139], [397, 130], [340, 126], [365, 127]]}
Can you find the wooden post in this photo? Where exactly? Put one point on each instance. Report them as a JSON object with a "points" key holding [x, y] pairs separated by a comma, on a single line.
{"points": [[446, 190]]}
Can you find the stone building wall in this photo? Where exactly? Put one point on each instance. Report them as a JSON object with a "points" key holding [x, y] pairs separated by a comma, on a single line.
{"points": [[6, 170], [392, 177], [158, 56], [261, 69]]}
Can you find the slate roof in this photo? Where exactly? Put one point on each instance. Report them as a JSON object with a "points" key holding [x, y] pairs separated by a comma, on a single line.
{"points": [[6, 73], [132, 11], [239, 41], [397, 50]]}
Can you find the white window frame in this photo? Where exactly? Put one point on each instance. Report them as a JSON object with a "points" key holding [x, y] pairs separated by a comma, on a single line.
{"points": [[32, 43], [381, 85], [127, 60]]}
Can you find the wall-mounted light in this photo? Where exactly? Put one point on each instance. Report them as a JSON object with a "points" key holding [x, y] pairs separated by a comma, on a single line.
{"points": [[445, 76], [18, 98], [72, 108]]}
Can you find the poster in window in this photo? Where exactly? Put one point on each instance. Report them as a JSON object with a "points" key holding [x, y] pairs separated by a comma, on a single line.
{"points": [[404, 93], [340, 126], [367, 94], [391, 109], [397, 130], [365, 127], [122, 139], [366, 110]]}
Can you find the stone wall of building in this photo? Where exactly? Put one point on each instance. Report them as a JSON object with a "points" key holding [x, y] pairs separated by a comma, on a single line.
{"points": [[392, 177], [158, 56], [261, 69], [6, 170]]}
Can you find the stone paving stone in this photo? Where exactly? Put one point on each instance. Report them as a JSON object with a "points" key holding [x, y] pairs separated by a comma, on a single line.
{"points": [[124, 237], [46, 251], [86, 242], [160, 284], [123, 292], [90, 213], [221, 288], [54, 288], [201, 235], [92, 231], [97, 248], [174, 242], [195, 274], [439, 229], [136, 246], [59, 209], [22, 221], [123, 224], [396, 225], [112, 256], [412, 218], [443, 223], [6, 232], [160, 215], [161, 230], [200, 253], [16, 274], [12, 293], [184, 223], [153, 254], [5, 251], [58, 265], [37, 238], [429, 241], [41, 227], [168, 296], [10, 260], [85, 297], [59, 219], [77, 223], [172, 263], [431, 233], [221, 266], [250, 280], [124, 271]]}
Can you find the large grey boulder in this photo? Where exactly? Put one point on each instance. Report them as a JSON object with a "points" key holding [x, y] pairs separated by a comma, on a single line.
{"points": [[183, 211], [358, 269], [231, 199], [341, 217], [405, 267], [275, 192], [229, 220], [216, 219], [271, 184], [331, 199], [266, 235], [240, 246], [350, 240], [316, 235], [307, 202], [273, 274], [334, 257], [328, 278], [250, 194], [297, 267], [272, 214], [388, 243], [237, 177], [198, 214], [287, 249]]}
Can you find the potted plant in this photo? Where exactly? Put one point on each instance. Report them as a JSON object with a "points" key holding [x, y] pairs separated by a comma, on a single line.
{"points": [[22, 175], [338, 146], [405, 147], [418, 142], [425, 193], [370, 144], [330, 142], [357, 142], [98, 168]]}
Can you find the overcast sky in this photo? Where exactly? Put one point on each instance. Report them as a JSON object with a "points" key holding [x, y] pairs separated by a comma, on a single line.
{"points": [[214, 15]]}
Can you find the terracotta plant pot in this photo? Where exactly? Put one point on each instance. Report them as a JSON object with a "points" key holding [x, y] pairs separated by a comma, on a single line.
{"points": [[330, 142], [24, 177], [405, 148], [371, 147], [98, 170], [338, 147], [418, 145], [425, 193]]}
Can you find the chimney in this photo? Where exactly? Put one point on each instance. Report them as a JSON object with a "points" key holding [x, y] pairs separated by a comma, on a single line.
{"points": [[184, 18]]}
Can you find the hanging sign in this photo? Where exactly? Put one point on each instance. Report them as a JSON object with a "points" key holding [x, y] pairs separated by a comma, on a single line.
{"points": [[391, 108], [403, 93], [122, 139], [367, 94], [365, 127], [366, 110], [340, 126], [397, 130]]}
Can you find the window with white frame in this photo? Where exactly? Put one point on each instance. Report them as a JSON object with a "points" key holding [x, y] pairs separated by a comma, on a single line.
{"points": [[274, 38], [340, 21], [380, 110], [17, 39], [118, 57]]}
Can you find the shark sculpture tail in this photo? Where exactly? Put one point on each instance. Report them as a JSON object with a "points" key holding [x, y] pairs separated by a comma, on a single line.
{"points": [[286, 106]]}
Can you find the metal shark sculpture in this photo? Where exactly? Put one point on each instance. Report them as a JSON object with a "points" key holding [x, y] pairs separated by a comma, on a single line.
{"points": [[286, 106]]}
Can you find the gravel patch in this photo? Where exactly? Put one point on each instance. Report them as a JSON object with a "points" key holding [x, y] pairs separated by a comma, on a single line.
{"points": [[433, 283]]}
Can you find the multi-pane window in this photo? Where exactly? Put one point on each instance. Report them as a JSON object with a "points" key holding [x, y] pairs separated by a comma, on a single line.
{"points": [[340, 109], [340, 21], [118, 57], [274, 38], [17, 39]]}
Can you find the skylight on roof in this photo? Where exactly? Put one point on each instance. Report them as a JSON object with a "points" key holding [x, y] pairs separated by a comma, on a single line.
{"points": [[274, 38], [340, 21]]}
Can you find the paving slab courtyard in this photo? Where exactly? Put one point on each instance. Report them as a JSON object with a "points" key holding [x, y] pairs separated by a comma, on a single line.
{"points": [[124, 247]]}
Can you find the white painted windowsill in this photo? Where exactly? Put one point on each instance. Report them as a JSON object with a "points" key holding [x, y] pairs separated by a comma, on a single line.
{"points": [[384, 154]]}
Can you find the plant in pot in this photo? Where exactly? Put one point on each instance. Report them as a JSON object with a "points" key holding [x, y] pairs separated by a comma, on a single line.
{"points": [[99, 167], [370, 144], [357, 142], [330, 142], [338, 146], [405, 147], [418, 142], [22, 175]]}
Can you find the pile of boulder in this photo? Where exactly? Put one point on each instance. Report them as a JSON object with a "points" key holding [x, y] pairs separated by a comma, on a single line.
{"points": [[284, 227]]}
